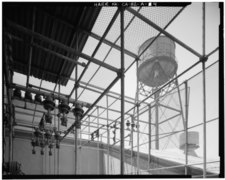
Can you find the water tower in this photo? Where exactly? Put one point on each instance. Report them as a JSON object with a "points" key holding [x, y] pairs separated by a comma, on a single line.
{"points": [[157, 63], [157, 66]]}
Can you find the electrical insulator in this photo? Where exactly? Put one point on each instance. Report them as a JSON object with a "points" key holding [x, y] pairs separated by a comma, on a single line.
{"points": [[57, 138], [42, 123], [128, 124], [33, 151], [50, 149], [64, 121], [38, 98], [114, 139], [78, 113], [28, 96], [48, 135], [49, 105], [33, 143], [48, 117], [92, 136], [97, 133], [64, 109], [42, 151], [57, 145], [17, 93], [133, 126]]}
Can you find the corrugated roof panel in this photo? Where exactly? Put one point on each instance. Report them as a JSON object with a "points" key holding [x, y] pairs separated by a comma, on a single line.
{"points": [[52, 28]]}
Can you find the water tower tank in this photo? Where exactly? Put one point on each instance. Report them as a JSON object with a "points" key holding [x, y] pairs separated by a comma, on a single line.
{"points": [[157, 64]]}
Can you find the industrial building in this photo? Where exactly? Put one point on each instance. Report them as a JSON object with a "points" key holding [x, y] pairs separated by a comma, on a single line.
{"points": [[129, 89]]}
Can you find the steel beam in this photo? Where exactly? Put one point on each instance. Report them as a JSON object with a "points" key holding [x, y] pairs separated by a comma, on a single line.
{"points": [[168, 107], [55, 95], [8, 78], [89, 33], [149, 22], [96, 50], [60, 45], [49, 51], [31, 48], [99, 98]]}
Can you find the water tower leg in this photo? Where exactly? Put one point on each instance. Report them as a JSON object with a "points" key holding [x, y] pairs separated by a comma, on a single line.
{"points": [[156, 119], [180, 102], [149, 133]]}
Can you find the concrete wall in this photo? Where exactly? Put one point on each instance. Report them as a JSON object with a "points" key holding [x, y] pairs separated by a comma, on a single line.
{"points": [[90, 159]]}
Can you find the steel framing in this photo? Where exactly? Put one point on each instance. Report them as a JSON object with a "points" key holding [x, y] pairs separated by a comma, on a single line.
{"points": [[120, 76]]}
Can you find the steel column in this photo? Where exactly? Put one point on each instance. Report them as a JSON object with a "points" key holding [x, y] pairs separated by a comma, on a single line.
{"points": [[204, 92], [156, 120], [76, 148], [186, 127], [8, 78], [138, 125], [122, 92], [108, 133]]}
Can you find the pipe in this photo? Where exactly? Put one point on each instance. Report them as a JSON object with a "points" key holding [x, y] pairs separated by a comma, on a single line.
{"points": [[122, 92]]}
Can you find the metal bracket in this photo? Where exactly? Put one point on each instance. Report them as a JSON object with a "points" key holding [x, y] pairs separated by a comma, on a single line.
{"points": [[203, 58], [121, 73]]}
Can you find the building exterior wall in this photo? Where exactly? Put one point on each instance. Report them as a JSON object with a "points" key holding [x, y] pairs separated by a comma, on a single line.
{"points": [[90, 159]]}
